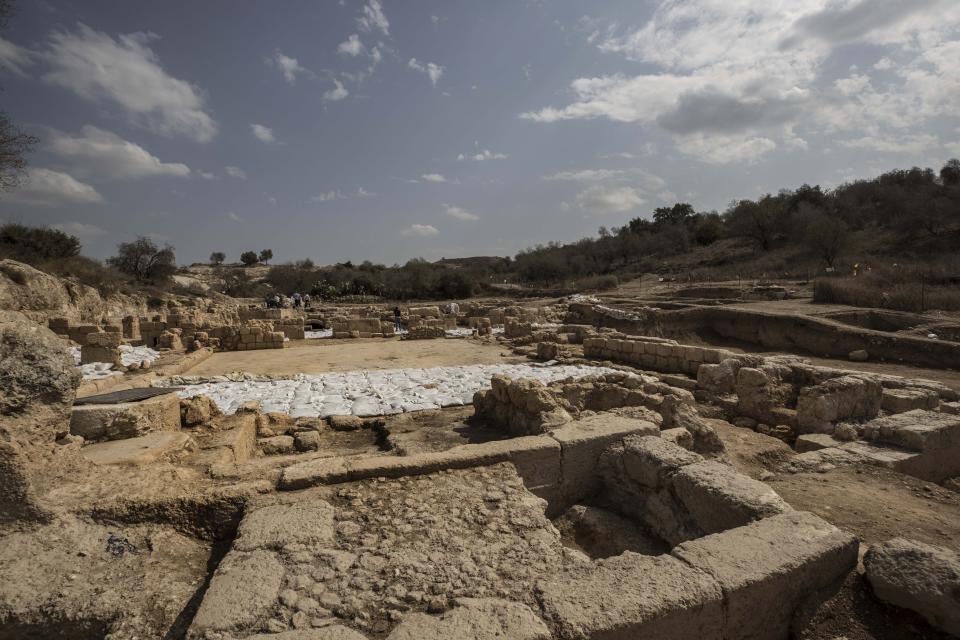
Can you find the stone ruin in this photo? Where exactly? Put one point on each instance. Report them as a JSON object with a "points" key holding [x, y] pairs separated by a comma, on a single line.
{"points": [[593, 507]]}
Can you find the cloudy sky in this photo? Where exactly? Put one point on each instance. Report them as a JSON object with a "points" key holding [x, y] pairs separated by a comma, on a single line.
{"points": [[387, 130]]}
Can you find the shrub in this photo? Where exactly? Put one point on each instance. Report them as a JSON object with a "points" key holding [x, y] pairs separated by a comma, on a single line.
{"points": [[875, 291], [249, 258], [34, 245], [597, 283]]}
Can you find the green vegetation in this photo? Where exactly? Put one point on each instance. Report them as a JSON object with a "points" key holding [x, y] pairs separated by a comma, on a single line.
{"points": [[144, 261], [903, 217], [29, 244]]}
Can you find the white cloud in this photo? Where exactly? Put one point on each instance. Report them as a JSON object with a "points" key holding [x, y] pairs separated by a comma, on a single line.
{"points": [[352, 46], [459, 213], [288, 66], [420, 230], [587, 175], [339, 92], [723, 150], [126, 72], [373, 18], [207, 175], [911, 144], [435, 19], [432, 177], [328, 196], [883, 64], [262, 133], [751, 75], [81, 230], [646, 182], [234, 217], [363, 193], [433, 71], [602, 199], [236, 172], [105, 154], [483, 155], [14, 58], [45, 187]]}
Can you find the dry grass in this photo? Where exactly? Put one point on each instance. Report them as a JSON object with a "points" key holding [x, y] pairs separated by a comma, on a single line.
{"points": [[916, 289]]}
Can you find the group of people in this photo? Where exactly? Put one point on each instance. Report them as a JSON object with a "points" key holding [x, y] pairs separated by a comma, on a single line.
{"points": [[296, 301]]}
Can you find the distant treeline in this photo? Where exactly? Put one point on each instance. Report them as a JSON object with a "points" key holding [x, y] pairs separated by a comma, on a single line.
{"points": [[921, 206]]}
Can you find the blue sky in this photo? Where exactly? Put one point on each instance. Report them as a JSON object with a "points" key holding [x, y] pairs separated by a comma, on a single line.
{"points": [[387, 130]]}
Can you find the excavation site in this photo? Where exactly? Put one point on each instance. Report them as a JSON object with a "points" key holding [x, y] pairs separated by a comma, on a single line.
{"points": [[564, 468], [480, 320]]}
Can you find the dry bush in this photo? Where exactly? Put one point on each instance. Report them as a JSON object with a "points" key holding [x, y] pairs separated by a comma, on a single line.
{"points": [[596, 283], [901, 289]]}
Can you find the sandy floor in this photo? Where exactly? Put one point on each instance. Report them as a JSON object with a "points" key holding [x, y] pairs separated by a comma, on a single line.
{"points": [[319, 356]]}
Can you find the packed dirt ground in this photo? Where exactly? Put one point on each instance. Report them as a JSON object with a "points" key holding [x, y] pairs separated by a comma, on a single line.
{"points": [[319, 356], [648, 463]]}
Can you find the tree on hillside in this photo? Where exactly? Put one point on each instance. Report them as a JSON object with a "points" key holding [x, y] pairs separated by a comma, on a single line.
{"points": [[249, 258], [266, 256], [217, 257], [708, 229], [950, 173], [33, 244], [144, 260], [758, 221], [826, 236], [679, 213], [14, 143]]}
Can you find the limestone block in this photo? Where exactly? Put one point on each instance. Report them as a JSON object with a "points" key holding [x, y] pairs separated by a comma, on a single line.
{"points": [[953, 408], [276, 444], [916, 430], [90, 353], [903, 400], [582, 443], [242, 593], [126, 419], [919, 577], [815, 442], [768, 569], [306, 440], [198, 410], [477, 619], [139, 451], [104, 339], [846, 397], [276, 526], [649, 461], [678, 436], [716, 497], [235, 442], [718, 378], [634, 596]]}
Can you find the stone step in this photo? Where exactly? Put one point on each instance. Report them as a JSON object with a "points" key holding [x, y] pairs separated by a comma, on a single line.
{"points": [[139, 451], [917, 430]]}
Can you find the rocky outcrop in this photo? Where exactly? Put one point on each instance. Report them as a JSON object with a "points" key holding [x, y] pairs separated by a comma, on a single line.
{"points": [[38, 382], [919, 577], [40, 296]]}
